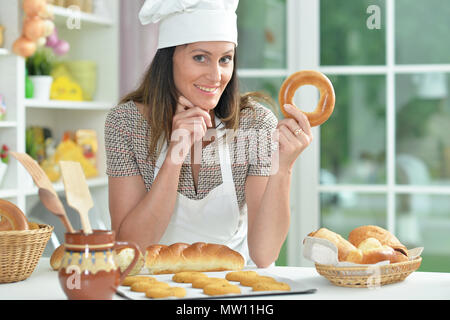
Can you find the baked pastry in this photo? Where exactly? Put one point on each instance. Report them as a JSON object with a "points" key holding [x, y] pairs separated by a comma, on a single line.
{"points": [[129, 280], [143, 286], [239, 275], [358, 235], [124, 257], [199, 256], [33, 226], [325, 106], [15, 217], [344, 247], [250, 281], [271, 286], [200, 283], [157, 293], [187, 276], [371, 251], [4, 224], [56, 258], [218, 289]]}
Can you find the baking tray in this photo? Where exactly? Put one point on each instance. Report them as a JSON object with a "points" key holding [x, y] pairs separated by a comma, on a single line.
{"points": [[195, 294]]}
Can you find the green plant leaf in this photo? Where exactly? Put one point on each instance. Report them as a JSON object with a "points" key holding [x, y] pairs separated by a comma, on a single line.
{"points": [[41, 63]]}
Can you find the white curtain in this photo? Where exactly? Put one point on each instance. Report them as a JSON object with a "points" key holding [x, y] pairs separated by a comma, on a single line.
{"points": [[137, 45]]}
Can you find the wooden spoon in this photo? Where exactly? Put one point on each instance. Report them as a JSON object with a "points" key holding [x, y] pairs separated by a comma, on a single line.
{"points": [[54, 205], [77, 191], [47, 193]]}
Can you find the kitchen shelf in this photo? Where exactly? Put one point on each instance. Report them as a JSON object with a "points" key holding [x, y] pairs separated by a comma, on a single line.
{"points": [[70, 105], [59, 186], [62, 16], [92, 37], [8, 193], [8, 124]]}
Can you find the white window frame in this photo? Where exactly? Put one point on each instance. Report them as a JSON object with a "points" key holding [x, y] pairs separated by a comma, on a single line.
{"points": [[304, 53], [302, 28]]}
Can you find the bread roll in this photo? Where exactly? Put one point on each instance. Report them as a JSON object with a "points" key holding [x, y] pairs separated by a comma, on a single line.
{"points": [[371, 251], [199, 256], [124, 257], [344, 247], [360, 234], [56, 258], [15, 217], [33, 225], [355, 256]]}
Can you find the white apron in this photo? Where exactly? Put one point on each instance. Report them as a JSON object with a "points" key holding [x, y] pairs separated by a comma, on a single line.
{"points": [[213, 219]]}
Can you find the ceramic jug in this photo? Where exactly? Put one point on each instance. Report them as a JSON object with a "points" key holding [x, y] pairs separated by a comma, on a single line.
{"points": [[88, 269]]}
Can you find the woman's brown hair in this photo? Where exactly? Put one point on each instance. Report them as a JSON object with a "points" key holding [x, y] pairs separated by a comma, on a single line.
{"points": [[158, 94]]}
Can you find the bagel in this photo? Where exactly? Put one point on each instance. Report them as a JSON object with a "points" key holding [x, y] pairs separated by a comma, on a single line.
{"points": [[327, 99], [4, 225], [15, 217]]}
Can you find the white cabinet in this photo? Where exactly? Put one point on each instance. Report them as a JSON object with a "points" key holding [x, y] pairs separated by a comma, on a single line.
{"points": [[92, 37]]}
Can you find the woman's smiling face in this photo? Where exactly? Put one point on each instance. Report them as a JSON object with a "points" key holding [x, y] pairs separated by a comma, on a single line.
{"points": [[202, 70]]}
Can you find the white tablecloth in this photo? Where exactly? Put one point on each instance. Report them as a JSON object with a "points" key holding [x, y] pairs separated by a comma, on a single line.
{"points": [[43, 284]]}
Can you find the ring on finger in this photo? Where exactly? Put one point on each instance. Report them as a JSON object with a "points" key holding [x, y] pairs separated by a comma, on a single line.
{"points": [[298, 131]]}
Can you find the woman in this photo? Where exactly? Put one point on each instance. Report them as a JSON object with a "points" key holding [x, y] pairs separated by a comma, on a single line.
{"points": [[181, 148]]}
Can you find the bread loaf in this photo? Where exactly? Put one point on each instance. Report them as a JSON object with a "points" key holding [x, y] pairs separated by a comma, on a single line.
{"points": [[371, 251], [360, 234], [199, 256], [344, 247], [124, 257]]}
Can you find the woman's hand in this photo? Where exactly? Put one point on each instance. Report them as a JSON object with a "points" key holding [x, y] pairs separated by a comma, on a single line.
{"points": [[189, 125], [294, 135]]}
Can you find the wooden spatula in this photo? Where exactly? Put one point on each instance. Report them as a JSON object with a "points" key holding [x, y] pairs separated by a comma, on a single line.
{"points": [[47, 193], [77, 191]]}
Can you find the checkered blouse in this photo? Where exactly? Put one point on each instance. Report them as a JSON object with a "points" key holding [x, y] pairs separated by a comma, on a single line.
{"points": [[127, 137]]}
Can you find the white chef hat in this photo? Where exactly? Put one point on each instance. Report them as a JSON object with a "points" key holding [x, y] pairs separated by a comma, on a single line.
{"points": [[187, 21]]}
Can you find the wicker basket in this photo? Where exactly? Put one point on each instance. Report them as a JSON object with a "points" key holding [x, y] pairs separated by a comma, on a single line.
{"points": [[20, 252], [370, 276]]}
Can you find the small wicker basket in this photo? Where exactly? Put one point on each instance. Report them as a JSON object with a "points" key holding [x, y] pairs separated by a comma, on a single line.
{"points": [[370, 276], [20, 252]]}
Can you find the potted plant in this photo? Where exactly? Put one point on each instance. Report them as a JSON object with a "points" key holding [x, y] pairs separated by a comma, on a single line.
{"points": [[4, 160], [39, 67]]}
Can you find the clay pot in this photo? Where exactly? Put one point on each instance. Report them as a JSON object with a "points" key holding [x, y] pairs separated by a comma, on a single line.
{"points": [[88, 269]]}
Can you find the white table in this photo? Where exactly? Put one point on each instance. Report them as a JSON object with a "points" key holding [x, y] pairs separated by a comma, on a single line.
{"points": [[43, 284]]}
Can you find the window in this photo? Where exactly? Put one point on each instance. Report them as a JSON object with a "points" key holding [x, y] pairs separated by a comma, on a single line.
{"points": [[384, 156], [262, 52], [385, 153]]}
